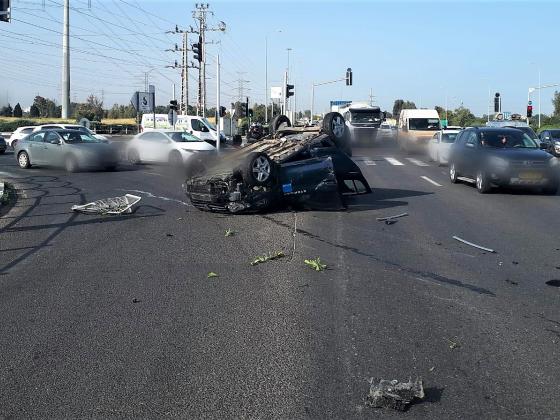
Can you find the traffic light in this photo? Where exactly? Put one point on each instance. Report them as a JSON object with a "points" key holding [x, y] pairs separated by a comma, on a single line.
{"points": [[497, 102], [529, 110], [173, 105], [348, 76], [197, 50], [222, 111], [4, 10], [246, 110], [250, 113], [289, 90]]}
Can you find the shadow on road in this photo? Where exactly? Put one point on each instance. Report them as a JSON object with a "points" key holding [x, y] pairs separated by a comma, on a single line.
{"points": [[381, 198]]}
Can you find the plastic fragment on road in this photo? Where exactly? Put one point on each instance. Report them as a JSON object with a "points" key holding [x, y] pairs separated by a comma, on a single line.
{"points": [[396, 216], [114, 205], [268, 257], [473, 245], [211, 274], [394, 394]]}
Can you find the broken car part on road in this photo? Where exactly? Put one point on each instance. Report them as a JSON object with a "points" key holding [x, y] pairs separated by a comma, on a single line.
{"points": [[473, 245], [394, 394], [306, 166], [396, 216], [115, 205]]}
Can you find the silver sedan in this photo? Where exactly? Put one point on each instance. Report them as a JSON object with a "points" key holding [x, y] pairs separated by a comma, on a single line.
{"points": [[70, 149]]}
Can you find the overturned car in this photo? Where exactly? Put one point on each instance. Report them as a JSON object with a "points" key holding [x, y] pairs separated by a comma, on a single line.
{"points": [[306, 167]]}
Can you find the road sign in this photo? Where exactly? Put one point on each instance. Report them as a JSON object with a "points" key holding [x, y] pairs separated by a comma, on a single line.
{"points": [[143, 101], [276, 92], [507, 116]]}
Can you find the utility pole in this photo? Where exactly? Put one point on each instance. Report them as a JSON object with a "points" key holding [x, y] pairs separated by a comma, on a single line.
{"points": [[241, 86], [66, 61], [184, 102], [218, 116], [200, 14], [371, 96]]}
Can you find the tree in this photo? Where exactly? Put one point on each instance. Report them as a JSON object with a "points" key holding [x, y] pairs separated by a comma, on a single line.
{"points": [[92, 109], [556, 103], [34, 111], [397, 106], [6, 111], [18, 111], [462, 117]]}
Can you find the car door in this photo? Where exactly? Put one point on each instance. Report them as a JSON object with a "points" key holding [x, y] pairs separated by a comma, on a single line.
{"points": [[35, 148], [546, 139], [200, 130], [160, 147], [144, 146], [52, 149], [433, 146], [470, 158]]}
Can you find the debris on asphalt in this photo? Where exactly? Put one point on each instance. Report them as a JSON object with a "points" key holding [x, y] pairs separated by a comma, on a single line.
{"points": [[453, 344], [394, 394], [437, 243], [473, 245], [390, 222], [211, 274], [169, 234], [316, 264], [513, 283], [268, 257], [515, 262], [432, 369], [229, 232], [396, 216], [554, 283], [114, 205], [135, 300]]}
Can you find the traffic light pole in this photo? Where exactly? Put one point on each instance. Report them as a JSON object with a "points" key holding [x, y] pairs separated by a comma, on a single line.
{"points": [[532, 89], [218, 116], [313, 85]]}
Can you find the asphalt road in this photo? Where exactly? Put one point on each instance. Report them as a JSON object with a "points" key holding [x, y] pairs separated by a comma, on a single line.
{"points": [[115, 316]]}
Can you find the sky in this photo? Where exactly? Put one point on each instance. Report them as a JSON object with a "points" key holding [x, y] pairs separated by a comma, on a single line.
{"points": [[431, 53]]}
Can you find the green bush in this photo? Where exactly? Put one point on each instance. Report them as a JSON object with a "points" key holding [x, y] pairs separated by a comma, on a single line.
{"points": [[12, 125]]}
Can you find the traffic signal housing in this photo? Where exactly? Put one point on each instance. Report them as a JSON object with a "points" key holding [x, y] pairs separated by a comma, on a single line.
{"points": [[246, 110], [197, 50], [289, 90], [222, 111], [348, 76], [5, 10], [173, 105], [529, 111], [497, 102]]}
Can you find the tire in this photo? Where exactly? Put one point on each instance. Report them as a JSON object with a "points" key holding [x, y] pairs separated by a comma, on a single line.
{"points": [[551, 189], [71, 164], [2, 151], [23, 160], [111, 168], [258, 170], [453, 175], [482, 184], [335, 126], [133, 157], [279, 121]]}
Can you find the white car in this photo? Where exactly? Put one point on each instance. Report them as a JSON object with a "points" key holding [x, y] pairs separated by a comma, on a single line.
{"points": [[385, 131], [439, 145], [71, 127], [20, 133], [165, 146]]}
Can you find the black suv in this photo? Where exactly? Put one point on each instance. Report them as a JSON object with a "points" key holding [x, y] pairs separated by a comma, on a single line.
{"points": [[502, 157]]}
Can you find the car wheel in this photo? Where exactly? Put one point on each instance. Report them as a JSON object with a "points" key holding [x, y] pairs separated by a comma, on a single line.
{"points": [[551, 189], [278, 122], [175, 158], [453, 175], [258, 169], [23, 160], [133, 157], [70, 164], [482, 184], [335, 126]]}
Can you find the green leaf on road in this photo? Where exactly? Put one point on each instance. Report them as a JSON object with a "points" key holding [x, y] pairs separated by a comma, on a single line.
{"points": [[211, 274], [268, 257], [316, 264]]}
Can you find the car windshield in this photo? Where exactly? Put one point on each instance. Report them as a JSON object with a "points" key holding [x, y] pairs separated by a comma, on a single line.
{"points": [[209, 124], [76, 136], [182, 137], [527, 130], [555, 134], [423, 124], [448, 137], [365, 116], [507, 139]]}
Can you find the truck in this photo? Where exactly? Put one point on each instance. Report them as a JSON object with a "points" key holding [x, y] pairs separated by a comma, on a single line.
{"points": [[416, 127], [361, 119]]}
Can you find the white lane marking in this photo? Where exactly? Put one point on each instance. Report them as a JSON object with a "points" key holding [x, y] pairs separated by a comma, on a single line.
{"points": [[393, 161], [369, 162], [431, 181], [417, 162], [149, 194]]}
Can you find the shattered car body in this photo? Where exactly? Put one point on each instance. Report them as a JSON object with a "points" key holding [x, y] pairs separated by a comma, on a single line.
{"points": [[300, 166]]}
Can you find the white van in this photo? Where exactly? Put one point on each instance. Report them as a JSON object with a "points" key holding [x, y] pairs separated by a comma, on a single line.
{"points": [[416, 127], [198, 126]]}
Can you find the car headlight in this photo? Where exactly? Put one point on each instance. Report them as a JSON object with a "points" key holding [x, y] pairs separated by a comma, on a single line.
{"points": [[498, 162], [553, 161]]}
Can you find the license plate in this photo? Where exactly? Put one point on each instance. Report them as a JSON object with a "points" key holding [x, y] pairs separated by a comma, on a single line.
{"points": [[530, 175]]}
